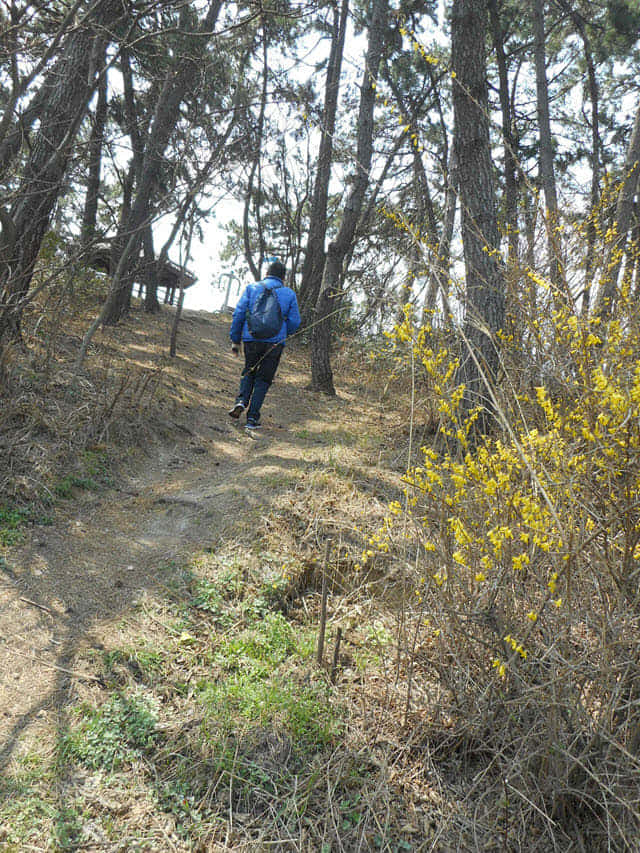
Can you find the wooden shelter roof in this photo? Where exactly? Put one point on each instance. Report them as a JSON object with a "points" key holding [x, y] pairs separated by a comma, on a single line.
{"points": [[170, 274]]}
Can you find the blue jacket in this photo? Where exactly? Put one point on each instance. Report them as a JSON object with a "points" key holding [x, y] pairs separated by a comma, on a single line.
{"points": [[288, 304]]}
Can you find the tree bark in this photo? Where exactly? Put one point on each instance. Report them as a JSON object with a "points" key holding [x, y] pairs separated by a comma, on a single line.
{"points": [[314, 258], [67, 93], [321, 372], [608, 292], [12, 133], [254, 267], [176, 83], [579, 24], [508, 138], [484, 306], [132, 181], [439, 275], [96, 141], [545, 157], [176, 322], [425, 218], [635, 237], [150, 273]]}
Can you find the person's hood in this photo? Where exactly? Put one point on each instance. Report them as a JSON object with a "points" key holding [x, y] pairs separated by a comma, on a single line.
{"points": [[271, 281]]}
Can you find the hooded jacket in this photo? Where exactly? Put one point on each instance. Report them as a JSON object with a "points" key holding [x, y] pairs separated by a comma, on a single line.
{"points": [[288, 304]]}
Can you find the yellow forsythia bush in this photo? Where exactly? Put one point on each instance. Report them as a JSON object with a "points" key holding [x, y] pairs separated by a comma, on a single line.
{"points": [[526, 552]]}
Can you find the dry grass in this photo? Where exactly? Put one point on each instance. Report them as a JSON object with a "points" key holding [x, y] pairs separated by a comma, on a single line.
{"points": [[163, 752], [50, 412], [221, 731]]}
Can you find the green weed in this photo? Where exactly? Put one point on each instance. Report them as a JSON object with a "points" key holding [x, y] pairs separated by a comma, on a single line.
{"points": [[271, 595], [97, 466], [305, 435], [279, 480], [264, 647], [211, 597], [23, 821], [67, 828], [93, 474], [351, 810], [115, 734], [143, 661], [258, 687], [301, 711], [13, 520], [64, 487], [253, 778], [24, 813], [178, 797], [379, 635]]}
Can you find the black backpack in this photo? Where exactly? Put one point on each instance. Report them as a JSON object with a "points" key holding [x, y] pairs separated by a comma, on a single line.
{"points": [[265, 318]]}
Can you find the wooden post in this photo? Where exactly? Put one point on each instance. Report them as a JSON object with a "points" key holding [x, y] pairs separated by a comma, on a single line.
{"points": [[336, 652], [228, 294], [323, 604], [176, 320]]}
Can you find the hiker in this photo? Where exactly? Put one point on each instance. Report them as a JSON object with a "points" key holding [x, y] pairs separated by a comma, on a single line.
{"points": [[266, 314]]}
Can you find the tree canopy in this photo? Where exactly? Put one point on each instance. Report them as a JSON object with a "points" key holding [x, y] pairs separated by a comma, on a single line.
{"points": [[119, 114]]}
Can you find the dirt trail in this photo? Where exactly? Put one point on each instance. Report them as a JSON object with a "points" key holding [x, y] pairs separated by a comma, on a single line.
{"points": [[63, 589]]}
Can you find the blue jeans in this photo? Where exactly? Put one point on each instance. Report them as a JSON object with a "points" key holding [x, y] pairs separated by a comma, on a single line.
{"points": [[260, 364]]}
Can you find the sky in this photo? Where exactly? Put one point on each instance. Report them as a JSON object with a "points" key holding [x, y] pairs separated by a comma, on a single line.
{"points": [[212, 286]]}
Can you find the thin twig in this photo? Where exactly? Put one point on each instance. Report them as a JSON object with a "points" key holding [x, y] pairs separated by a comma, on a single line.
{"points": [[323, 605], [79, 675], [336, 652], [35, 604]]}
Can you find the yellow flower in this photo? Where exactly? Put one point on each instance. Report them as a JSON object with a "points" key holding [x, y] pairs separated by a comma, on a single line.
{"points": [[490, 487], [499, 666], [520, 561]]}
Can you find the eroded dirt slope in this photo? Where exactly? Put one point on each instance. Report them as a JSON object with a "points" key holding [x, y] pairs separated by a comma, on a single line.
{"points": [[204, 482]]}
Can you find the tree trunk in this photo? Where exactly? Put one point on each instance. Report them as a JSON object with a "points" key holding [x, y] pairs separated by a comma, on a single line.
{"points": [[132, 182], [545, 159], [314, 258], [12, 132], [321, 373], [425, 218], [508, 138], [176, 83], [484, 306], [176, 322], [252, 194], [67, 95], [151, 304], [439, 275], [90, 213], [579, 23], [608, 292], [635, 238]]}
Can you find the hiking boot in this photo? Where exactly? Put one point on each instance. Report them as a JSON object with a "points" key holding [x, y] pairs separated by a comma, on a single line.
{"points": [[237, 410]]}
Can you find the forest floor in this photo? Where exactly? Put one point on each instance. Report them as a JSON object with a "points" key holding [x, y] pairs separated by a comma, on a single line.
{"points": [[159, 688]]}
